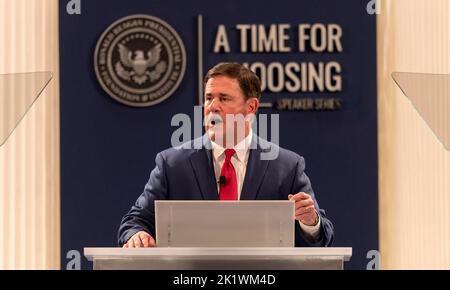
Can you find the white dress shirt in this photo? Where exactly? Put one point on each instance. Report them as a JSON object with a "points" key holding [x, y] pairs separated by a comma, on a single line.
{"points": [[239, 161]]}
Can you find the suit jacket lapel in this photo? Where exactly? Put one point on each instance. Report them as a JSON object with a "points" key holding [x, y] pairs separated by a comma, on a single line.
{"points": [[202, 164], [256, 170]]}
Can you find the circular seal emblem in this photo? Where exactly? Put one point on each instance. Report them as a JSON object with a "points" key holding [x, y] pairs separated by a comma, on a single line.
{"points": [[140, 60]]}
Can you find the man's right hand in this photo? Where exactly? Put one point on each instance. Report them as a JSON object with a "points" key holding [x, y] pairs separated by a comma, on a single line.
{"points": [[140, 240]]}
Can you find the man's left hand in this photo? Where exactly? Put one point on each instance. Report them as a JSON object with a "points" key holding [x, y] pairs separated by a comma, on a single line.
{"points": [[305, 210]]}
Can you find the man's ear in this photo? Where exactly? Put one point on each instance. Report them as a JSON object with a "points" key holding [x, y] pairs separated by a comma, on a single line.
{"points": [[253, 105]]}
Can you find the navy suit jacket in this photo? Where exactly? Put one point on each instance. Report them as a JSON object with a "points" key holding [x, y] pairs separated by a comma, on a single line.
{"points": [[187, 173]]}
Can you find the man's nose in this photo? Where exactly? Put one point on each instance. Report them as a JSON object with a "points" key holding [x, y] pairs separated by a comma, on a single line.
{"points": [[214, 106]]}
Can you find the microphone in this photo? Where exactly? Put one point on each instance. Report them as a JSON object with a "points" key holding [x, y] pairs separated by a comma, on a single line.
{"points": [[222, 180]]}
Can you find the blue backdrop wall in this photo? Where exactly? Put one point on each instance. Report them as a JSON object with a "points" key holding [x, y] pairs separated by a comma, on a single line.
{"points": [[108, 149]]}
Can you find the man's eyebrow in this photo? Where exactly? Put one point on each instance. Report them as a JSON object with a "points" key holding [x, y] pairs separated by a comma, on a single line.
{"points": [[220, 94]]}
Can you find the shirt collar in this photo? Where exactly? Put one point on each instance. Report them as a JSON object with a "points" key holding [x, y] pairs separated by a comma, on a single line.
{"points": [[241, 148]]}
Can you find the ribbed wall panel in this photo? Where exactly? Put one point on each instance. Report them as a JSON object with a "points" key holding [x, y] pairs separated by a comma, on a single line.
{"points": [[29, 161], [414, 167]]}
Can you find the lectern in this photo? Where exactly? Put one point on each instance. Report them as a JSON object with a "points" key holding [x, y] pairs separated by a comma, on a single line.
{"points": [[218, 258], [237, 235]]}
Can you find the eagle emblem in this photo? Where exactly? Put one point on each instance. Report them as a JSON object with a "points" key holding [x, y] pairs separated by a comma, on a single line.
{"points": [[140, 60], [134, 66]]}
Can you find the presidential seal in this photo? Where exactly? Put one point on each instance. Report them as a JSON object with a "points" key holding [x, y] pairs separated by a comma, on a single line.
{"points": [[140, 60]]}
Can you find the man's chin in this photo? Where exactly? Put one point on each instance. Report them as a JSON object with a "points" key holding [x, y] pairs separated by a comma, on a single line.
{"points": [[211, 132], [215, 136]]}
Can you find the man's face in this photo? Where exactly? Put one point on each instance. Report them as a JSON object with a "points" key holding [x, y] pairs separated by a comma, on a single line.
{"points": [[223, 96]]}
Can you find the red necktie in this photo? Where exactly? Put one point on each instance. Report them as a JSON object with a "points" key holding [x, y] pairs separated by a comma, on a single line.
{"points": [[228, 190]]}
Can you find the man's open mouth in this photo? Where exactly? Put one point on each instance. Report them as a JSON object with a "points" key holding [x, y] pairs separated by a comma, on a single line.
{"points": [[213, 120]]}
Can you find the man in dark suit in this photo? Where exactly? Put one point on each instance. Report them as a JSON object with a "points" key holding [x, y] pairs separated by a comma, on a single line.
{"points": [[228, 163]]}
